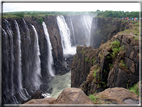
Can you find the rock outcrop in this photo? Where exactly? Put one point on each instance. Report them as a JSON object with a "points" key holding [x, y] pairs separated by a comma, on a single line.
{"points": [[73, 96], [39, 101], [68, 96], [117, 96], [82, 62]]}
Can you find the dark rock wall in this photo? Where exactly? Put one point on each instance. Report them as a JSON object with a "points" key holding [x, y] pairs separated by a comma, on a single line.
{"points": [[104, 28], [107, 71], [82, 62]]}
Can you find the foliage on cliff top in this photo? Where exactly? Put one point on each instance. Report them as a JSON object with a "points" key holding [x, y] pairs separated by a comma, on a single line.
{"points": [[133, 29], [42, 13], [118, 14]]}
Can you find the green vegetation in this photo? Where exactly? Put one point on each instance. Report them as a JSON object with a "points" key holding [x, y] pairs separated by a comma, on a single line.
{"points": [[122, 64], [96, 72], [110, 66], [115, 45], [74, 57], [133, 29], [93, 60], [86, 59], [104, 84], [134, 89], [94, 98], [118, 14], [136, 37], [40, 20], [36, 14], [101, 56]]}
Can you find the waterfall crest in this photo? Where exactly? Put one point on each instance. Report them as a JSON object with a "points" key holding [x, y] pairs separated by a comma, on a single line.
{"points": [[65, 37], [50, 57]]}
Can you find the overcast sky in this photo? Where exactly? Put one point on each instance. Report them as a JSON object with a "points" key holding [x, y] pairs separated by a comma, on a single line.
{"points": [[10, 7]]}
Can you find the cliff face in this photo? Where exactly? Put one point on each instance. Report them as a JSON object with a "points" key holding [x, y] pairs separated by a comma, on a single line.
{"points": [[103, 29], [114, 64], [10, 54]]}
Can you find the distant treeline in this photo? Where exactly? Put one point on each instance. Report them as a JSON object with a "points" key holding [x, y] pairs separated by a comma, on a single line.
{"points": [[37, 14], [43, 13], [118, 14]]}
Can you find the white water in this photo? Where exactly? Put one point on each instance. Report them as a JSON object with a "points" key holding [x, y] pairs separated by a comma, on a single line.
{"points": [[19, 56], [87, 22], [72, 30], [10, 34], [50, 57], [65, 37], [37, 68]]}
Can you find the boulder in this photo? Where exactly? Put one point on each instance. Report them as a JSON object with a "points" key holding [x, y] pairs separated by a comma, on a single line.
{"points": [[117, 96], [73, 96], [39, 101]]}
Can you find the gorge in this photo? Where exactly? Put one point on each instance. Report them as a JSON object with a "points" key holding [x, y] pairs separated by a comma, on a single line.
{"points": [[38, 57], [34, 53]]}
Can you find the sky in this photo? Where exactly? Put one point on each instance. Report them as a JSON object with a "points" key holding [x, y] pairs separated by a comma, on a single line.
{"points": [[10, 7]]}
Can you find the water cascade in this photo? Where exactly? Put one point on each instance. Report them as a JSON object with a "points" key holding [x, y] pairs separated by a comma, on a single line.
{"points": [[65, 37], [37, 70], [87, 21], [18, 56], [10, 34], [72, 28], [50, 57]]}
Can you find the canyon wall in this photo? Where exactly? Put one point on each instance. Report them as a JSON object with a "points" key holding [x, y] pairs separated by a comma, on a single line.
{"points": [[111, 64]]}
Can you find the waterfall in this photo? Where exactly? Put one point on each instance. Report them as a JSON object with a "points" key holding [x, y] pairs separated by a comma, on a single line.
{"points": [[50, 57], [37, 70], [10, 34], [72, 31], [5, 63], [65, 37], [19, 56], [87, 21]]}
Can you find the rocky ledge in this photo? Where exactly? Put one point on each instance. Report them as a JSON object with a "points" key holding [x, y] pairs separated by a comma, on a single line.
{"points": [[77, 96]]}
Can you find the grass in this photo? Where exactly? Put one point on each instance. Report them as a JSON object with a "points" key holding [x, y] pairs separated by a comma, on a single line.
{"points": [[94, 98], [134, 89], [133, 28]]}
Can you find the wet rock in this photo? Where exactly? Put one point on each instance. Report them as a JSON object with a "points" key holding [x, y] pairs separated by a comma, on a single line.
{"points": [[73, 96]]}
